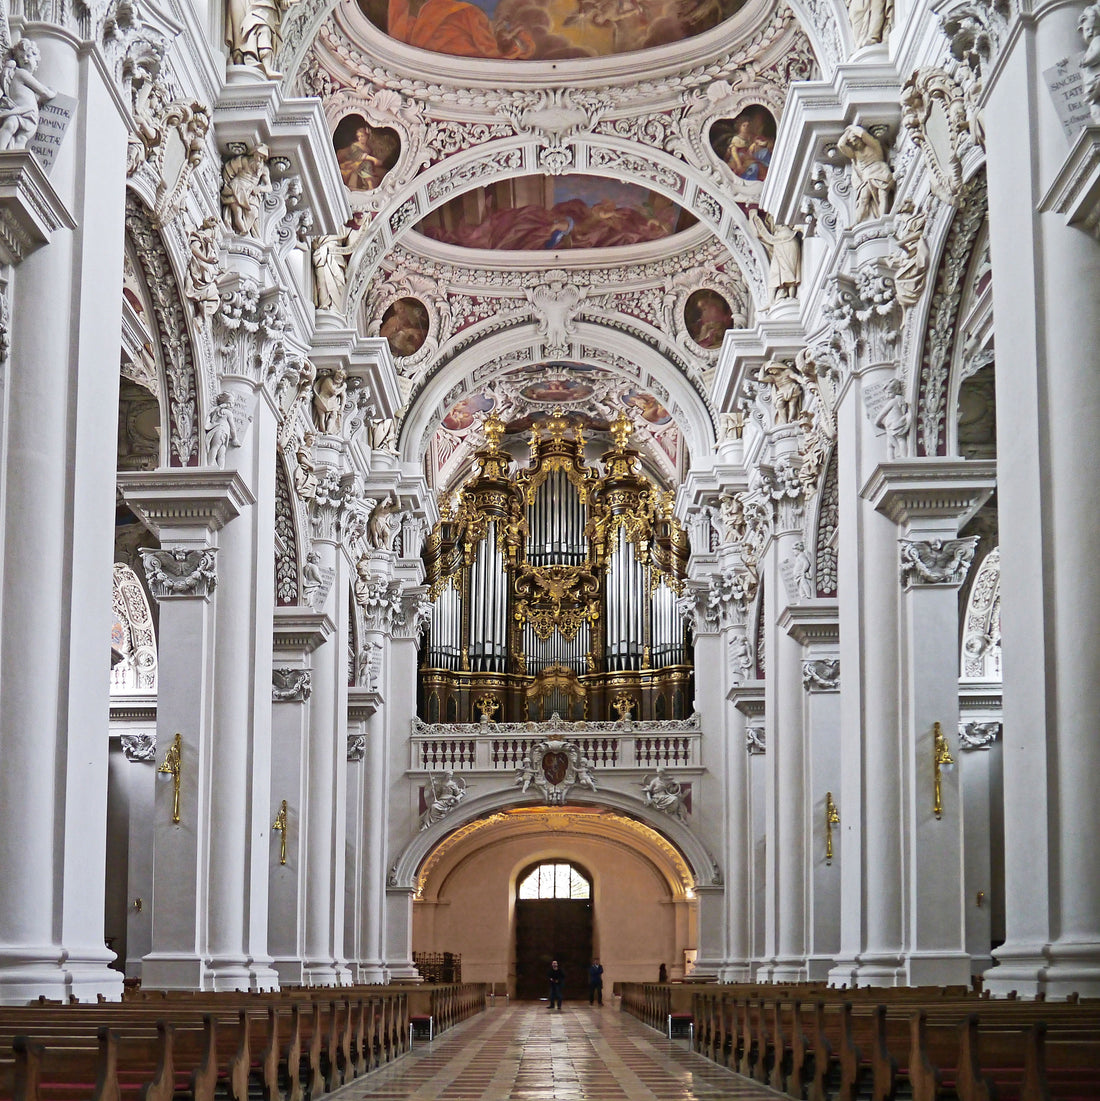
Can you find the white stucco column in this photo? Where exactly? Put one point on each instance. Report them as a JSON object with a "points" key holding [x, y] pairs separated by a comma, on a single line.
{"points": [[746, 707], [1045, 280], [298, 633], [930, 499], [187, 510], [813, 624], [872, 924], [785, 905], [60, 428]]}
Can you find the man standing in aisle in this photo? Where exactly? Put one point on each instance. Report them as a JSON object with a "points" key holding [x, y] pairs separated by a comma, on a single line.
{"points": [[557, 981], [595, 982]]}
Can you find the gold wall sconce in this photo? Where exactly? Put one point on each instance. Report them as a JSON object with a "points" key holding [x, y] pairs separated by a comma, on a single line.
{"points": [[172, 768], [280, 825], [832, 818], [942, 762]]}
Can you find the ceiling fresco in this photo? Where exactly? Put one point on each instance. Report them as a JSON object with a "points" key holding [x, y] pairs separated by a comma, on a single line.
{"points": [[544, 30], [591, 396], [555, 212]]}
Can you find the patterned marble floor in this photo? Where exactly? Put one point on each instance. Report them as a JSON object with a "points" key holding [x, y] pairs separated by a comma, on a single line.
{"points": [[526, 1052]]}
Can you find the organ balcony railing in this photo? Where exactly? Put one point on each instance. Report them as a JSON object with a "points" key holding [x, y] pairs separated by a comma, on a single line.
{"points": [[503, 747]]}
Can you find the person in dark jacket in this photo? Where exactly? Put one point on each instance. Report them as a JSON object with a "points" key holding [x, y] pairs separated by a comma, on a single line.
{"points": [[595, 982], [557, 981]]}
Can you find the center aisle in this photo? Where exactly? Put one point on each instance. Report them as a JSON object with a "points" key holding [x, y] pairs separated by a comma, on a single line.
{"points": [[527, 1052]]}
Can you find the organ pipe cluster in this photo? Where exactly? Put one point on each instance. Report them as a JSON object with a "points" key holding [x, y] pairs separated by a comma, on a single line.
{"points": [[554, 586]]}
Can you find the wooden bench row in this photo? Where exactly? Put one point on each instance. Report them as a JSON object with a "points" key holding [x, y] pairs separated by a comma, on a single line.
{"points": [[291, 1046], [928, 1045]]}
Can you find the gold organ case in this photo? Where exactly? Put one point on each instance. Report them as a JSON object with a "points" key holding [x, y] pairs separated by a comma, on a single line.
{"points": [[555, 587]]}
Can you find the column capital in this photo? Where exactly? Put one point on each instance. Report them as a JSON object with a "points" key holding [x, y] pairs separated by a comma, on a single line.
{"points": [[291, 685], [30, 210], [175, 503], [931, 496], [936, 562], [821, 675]]}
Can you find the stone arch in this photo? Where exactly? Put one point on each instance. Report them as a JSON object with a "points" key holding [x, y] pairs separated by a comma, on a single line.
{"points": [[981, 642], [477, 365], [942, 349], [697, 861], [133, 638], [172, 330]]}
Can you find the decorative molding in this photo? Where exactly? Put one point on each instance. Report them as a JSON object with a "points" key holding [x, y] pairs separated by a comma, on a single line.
{"points": [[1075, 190], [936, 561], [175, 572], [291, 685], [978, 735], [30, 210], [821, 675], [357, 747], [754, 741], [139, 747], [555, 766]]}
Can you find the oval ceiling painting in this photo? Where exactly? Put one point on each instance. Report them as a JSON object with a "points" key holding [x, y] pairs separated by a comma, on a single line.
{"points": [[540, 30], [555, 212]]}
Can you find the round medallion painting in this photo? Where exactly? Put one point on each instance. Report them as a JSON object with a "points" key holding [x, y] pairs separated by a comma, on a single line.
{"points": [[707, 316], [405, 326]]}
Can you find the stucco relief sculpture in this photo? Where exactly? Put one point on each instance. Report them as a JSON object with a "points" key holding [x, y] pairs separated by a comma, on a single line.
{"points": [[246, 180], [740, 658], [1089, 25], [936, 561], [305, 472], [446, 795], [330, 253], [23, 94], [382, 435], [872, 180], [368, 666], [784, 245], [802, 572], [253, 33], [291, 685], [822, 675], [978, 735], [221, 430], [870, 20], [139, 747], [330, 392], [203, 269], [555, 767], [664, 793], [180, 571], [383, 525], [895, 418], [754, 741], [910, 263], [786, 382]]}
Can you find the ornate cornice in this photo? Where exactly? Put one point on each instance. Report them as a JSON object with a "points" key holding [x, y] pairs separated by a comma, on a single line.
{"points": [[201, 498], [813, 622], [931, 492], [30, 210], [1075, 190], [298, 631]]}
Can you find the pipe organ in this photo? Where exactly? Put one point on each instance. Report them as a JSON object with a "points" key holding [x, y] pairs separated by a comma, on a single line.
{"points": [[554, 588]]}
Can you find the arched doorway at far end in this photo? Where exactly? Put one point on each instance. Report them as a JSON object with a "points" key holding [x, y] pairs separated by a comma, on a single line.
{"points": [[553, 922]]}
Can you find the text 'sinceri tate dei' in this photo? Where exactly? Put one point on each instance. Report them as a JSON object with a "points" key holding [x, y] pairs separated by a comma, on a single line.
{"points": [[446, 442]]}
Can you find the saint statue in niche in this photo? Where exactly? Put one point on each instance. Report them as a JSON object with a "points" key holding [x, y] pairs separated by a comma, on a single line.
{"points": [[365, 153], [746, 142], [707, 316], [405, 326]]}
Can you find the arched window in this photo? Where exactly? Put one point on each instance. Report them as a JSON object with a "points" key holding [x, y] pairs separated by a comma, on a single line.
{"points": [[554, 881]]}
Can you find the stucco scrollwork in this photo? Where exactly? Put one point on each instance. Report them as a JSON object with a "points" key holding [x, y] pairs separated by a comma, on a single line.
{"points": [[291, 685], [821, 675], [754, 741], [934, 112], [978, 735], [139, 747], [357, 747]]}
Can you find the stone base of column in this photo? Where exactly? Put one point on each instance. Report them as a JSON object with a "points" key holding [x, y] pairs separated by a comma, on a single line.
{"points": [[371, 973], [1074, 969], [735, 971], [869, 969], [323, 973], [937, 969], [818, 968], [290, 971], [789, 969], [262, 976], [169, 972], [403, 972], [26, 974], [1018, 969]]}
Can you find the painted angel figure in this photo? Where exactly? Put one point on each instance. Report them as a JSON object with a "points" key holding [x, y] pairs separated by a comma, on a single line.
{"points": [[23, 95]]}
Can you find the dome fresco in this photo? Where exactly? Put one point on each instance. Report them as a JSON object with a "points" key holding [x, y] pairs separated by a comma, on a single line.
{"points": [[544, 30], [555, 212]]}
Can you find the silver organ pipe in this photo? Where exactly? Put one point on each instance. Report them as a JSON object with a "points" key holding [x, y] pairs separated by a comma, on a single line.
{"points": [[446, 630], [488, 607]]}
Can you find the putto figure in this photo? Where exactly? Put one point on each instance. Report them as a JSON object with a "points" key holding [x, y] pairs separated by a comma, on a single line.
{"points": [[23, 95]]}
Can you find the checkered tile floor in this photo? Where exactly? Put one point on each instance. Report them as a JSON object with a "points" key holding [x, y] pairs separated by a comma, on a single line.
{"points": [[526, 1052]]}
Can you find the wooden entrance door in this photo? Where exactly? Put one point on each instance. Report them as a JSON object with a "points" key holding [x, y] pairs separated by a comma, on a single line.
{"points": [[553, 929]]}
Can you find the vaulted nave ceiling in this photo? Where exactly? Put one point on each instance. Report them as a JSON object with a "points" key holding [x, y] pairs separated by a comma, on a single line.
{"points": [[578, 216]]}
